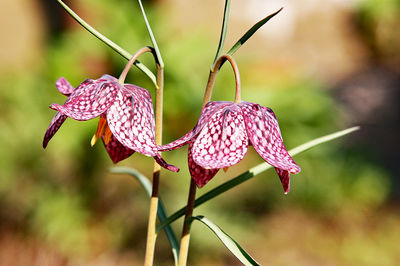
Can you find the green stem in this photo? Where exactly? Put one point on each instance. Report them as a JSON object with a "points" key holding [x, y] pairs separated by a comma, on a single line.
{"points": [[131, 61], [107, 41], [151, 229], [223, 32], [251, 173], [213, 74], [184, 246]]}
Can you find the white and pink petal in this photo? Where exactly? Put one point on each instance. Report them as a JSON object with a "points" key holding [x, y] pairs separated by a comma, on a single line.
{"points": [[207, 112], [89, 100], [131, 121], [264, 134], [223, 140], [64, 87], [177, 143]]}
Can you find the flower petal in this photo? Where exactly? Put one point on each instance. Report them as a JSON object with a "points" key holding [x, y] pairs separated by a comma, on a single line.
{"points": [[131, 120], [116, 150], [209, 109], [89, 100], [200, 175], [164, 164], [55, 124], [108, 77], [284, 176], [223, 141], [177, 143], [64, 87], [265, 135]]}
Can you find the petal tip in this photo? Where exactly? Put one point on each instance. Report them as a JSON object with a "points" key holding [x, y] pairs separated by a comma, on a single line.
{"points": [[199, 185], [164, 164], [173, 168], [44, 144], [54, 106], [295, 170]]}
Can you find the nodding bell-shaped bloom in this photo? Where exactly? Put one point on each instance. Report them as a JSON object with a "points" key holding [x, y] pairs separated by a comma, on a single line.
{"points": [[222, 135], [126, 116]]}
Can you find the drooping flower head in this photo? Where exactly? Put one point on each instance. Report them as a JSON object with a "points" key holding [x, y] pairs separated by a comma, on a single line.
{"points": [[225, 130], [222, 136], [126, 116]]}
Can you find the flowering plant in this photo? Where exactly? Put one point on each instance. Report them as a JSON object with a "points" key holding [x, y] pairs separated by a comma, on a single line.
{"points": [[220, 139]]}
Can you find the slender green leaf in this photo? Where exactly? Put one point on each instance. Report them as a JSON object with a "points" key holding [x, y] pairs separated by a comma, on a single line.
{"points": [[251, 173], [250, 32], [227, 240], [223, 32], [110, 43], [161, 213], [153, 39]]}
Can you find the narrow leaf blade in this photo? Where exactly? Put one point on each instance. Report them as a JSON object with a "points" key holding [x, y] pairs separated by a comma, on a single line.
{"points": [[228, 241], [224, 29], [253, 172], [250, 32], [107, 41], [152, 38]]}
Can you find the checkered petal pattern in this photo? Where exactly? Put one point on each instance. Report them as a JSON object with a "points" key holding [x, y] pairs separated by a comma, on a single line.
{"points": [[222, 136], [89, 100], [200, 175], [223, 141], [128, 110], [265, 135], [55, 124], [208, 111], [131, 120], [64, 87], [177, 143], [164, 164], [116, 150]]}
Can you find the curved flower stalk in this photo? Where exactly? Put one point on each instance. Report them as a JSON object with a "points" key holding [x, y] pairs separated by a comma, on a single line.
{"points": [[126, 116], [222, 136]]}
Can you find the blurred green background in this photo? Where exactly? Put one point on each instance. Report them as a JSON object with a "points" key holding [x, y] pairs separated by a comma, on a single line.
{"points": [[320, 68]]}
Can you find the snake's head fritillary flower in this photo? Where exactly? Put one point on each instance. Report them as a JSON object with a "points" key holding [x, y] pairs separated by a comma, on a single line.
{"points": [[126, 116], [222, 135]]}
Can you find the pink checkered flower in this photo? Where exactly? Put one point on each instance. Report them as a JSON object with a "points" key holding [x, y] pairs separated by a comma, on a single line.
{"points": [[126, 116], [222, 135]]}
